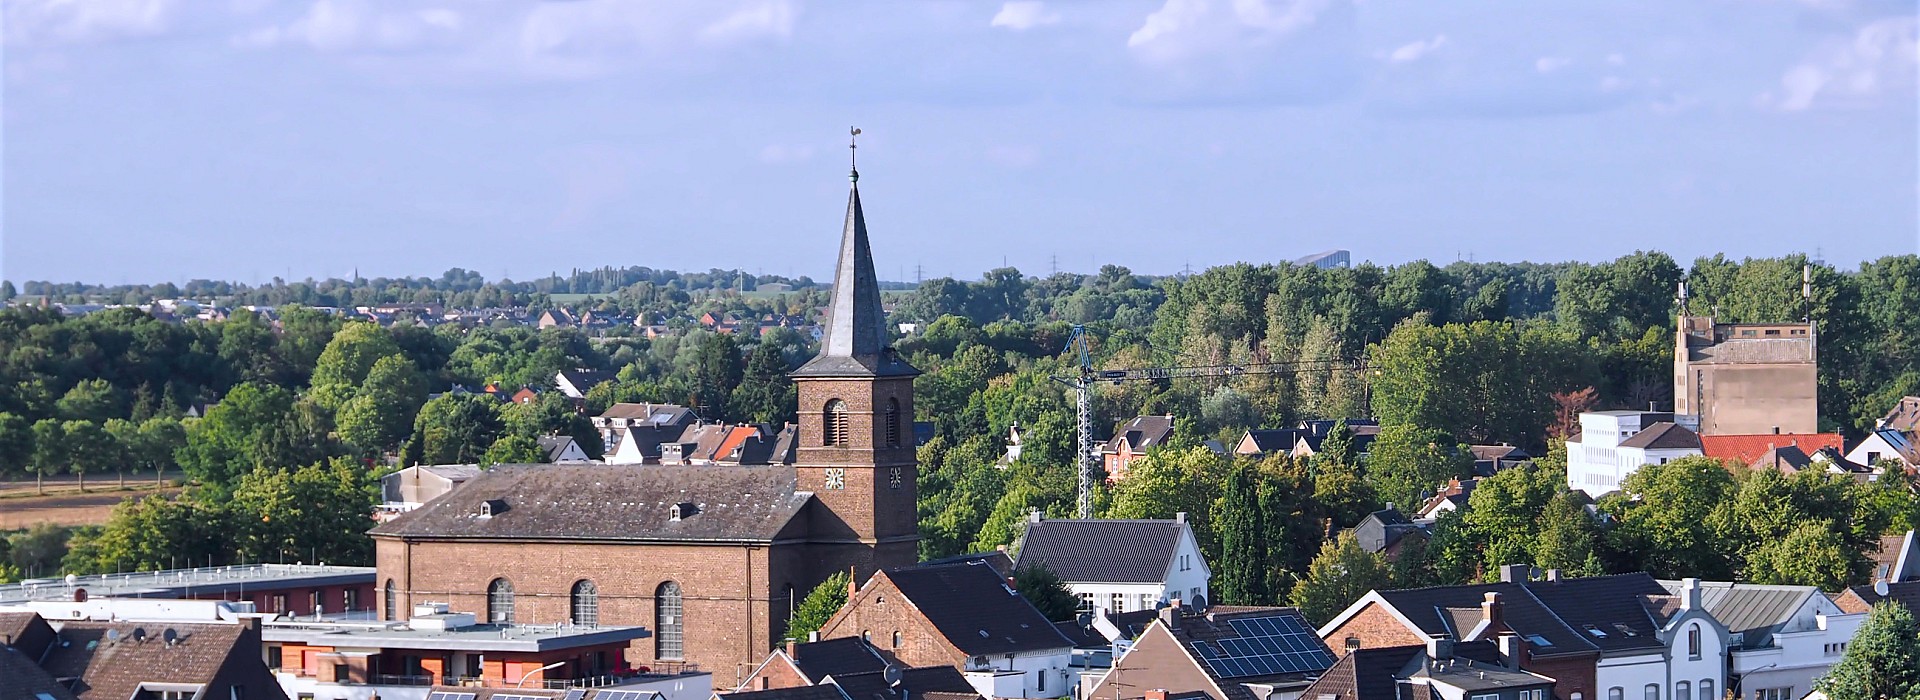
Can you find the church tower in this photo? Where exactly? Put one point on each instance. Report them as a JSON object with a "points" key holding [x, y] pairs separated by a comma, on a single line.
{"points": [[856, 451]]}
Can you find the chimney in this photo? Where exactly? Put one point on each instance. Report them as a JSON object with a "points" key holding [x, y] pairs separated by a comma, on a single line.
{"points": [[1515, 573], [1494, 611], [1776, 430], [1170, 615], [1033, 516], [853, 584], [1553, 575], [1439, 649], [793, 648], [813, 636], [1513, 649], [1180, 517], [1690, 594], [1157, 694]]}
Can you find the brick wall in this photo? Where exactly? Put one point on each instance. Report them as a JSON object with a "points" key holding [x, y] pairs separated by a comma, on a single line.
{"points": [[1374, 627], [877, 611]]}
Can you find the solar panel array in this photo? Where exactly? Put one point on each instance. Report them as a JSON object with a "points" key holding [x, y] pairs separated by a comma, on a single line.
{"points": [[626, 695], [446, 695], [503, 696], [1266, 646]]}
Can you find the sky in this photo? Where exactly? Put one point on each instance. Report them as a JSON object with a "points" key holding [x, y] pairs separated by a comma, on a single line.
{"points": [[154, 140]]}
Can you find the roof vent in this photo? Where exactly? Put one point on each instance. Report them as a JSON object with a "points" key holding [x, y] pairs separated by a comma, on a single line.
{"points": [[492, 507]]}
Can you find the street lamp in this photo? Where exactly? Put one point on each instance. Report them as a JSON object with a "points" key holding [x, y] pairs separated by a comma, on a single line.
{"points": [[529, 674]]}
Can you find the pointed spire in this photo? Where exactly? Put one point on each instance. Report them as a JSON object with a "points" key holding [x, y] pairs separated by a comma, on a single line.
{"points": [[855, 341]]}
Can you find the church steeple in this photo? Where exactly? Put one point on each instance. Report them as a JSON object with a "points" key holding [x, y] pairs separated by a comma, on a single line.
{"points": [[855, 339]]}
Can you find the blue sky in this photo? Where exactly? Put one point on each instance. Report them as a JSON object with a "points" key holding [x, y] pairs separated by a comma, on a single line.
{"points": [[148, 140]]}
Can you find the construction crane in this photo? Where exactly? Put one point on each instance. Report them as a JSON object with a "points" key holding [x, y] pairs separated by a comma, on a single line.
{"points": [[1084, 380]]}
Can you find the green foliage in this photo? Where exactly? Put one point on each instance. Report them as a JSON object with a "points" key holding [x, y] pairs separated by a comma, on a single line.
{"points": [[348, 359], [1406, 461], [1166, 482], [819, 606], [1240, 577], [1666, 514], [717, 371], [220, 446], [1485, 382], [457, 428], [36, 551], [1339, 575], [1882, 661], [512, 449], [1048, 594], [765, 395]]}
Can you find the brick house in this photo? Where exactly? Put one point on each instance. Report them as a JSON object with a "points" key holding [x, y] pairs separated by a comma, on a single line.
{"points": [[710, 558], [963, 616], [1440, 669], [857, 668], [1132, 440], [118, 660]]}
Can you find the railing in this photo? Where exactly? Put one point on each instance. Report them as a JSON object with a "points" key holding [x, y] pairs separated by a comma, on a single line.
{"points": [[386, 679], [107, 583], [666, 669]]}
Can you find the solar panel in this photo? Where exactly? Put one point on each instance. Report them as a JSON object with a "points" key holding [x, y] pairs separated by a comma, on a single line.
{"points": [[575, 694], [1265, 646], [446, 695], [503, 696]]}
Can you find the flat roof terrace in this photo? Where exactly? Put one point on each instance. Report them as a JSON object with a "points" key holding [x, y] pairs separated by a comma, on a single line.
{"points": [[187, 583], [484, 637]]}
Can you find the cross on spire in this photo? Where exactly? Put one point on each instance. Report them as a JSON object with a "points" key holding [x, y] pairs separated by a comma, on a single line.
{"points": [[853, 151]]}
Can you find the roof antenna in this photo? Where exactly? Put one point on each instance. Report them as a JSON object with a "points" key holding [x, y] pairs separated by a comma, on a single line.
{"points": [[853, 151], [1806, 292]]}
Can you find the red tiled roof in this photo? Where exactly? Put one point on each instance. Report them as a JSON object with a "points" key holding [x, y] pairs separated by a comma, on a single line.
{"points": [[1746, 449]]}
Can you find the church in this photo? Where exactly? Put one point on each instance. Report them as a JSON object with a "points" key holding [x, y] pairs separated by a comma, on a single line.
{"points": [[711, 559]]}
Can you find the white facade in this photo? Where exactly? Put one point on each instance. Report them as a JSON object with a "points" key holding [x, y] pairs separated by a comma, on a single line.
{"points": [[1812, 642], [1047, 673], [1879, 445], [1597, 463], [1187, 578]]}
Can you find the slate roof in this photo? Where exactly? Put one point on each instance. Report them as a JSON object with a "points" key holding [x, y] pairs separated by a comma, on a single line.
{"points": [[554, 446], [1664, 436], [1267, 441], [1604, 603], [657, 412], [1102, 551], [1427, 609], [1365, 674], [21, 677], [116, 669], [1141, 433], [914, 683], [1746, 449], [975, 609], [834, 657], [1751, 610], [997, 559], [1905, 593], [1560, 612], [824, 691], [1787, 459], [855, 340], [611, 502]]}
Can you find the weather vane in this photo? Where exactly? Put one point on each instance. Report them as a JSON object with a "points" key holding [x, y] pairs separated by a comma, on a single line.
{"points": [[853, 150]]}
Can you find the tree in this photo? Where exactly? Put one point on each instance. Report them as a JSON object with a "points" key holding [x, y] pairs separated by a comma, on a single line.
{"points": [[126, 436], [1168, 481], [380, 415], [89, 448], [819, 606], [1881, 662], [1407, 461], [1666, 514], [1809, 555], [765, 395], [92, 400], [220, 446], [16, 443], [50, 451], [457, 428], [319, 512], [1240, 575], [152, 533], [512, 449], [160, 439], [1048, 594], [1341, 574], [717, 372], [1483, 382], [349, 357]]}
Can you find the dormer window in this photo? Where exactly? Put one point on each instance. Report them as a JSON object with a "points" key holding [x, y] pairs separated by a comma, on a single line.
{"points": [[492, 507], [681, 511]]}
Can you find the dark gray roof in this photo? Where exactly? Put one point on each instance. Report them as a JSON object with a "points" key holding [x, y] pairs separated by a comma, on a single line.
{"points": [[914, 683], [1102, 551], [825, 691], [554, 445], [1609, 604], [1278, 440], [855, 340], [835, 657], [1142, 432], [1664, 436], [975, 609], [611, 502], [1524, 614]]}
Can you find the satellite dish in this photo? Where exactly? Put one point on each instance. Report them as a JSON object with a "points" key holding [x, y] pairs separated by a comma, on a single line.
{"points": [[170, 636], [892, 675], [113, 635], [139, 634], [71, 579]]}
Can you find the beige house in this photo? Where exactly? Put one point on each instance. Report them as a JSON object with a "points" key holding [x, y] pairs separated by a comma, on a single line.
{"points": [[1746, 378]]}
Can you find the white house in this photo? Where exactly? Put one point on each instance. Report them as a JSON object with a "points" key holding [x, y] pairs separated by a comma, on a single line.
{"points": [[1695, 667], [561, 448], [1885, 443], [1781, 638], [1120, 565], [1614, 444]]}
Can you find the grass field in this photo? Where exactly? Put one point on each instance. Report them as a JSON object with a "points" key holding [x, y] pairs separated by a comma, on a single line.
{"points": [[65, 504]]}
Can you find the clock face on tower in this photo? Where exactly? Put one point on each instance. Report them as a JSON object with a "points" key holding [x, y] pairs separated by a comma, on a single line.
{"points": [[836, 479], [893, 478]]}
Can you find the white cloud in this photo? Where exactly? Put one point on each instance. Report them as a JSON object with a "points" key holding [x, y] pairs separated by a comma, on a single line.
{"points": [[1022, 15], [340, 25], [1549, 64], [1880, 58], [1181, 28], [1415, 50], [77, 21], [772, 19]]}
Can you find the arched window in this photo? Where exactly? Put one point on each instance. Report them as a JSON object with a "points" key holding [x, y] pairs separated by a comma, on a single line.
{"points": [[393, 601], [1616, 693], [1653, 691], [586, 603], [834, 433], [896, 639], [1683, 691], [667, 623], [500, 602], [1693, 643], [1706, 689], [893, 422]]}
